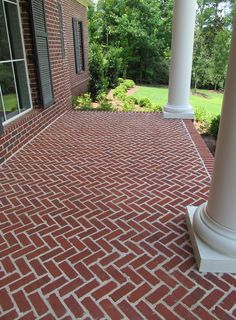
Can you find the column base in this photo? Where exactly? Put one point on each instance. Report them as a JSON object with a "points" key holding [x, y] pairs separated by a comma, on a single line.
{"points": [[177, 112], [208, 259]]}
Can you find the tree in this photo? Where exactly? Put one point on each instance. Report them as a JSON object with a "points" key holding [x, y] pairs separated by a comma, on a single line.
{"points": [[142, 31], [98, 82], [201, 61], [134, 37], [213, 28], [219, 59]]}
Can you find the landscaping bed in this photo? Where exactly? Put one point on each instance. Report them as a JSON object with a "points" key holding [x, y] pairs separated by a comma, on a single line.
{"points": [[118, 99]]}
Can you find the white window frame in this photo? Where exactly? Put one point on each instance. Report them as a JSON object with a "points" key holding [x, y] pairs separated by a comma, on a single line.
{"points": [[16, 60]]}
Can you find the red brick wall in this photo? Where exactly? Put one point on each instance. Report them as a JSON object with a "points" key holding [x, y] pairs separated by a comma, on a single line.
{"points": [[72, 8], [22, 130]]}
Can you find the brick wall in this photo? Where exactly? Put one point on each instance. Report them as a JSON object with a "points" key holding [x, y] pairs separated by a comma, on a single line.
{"points": [[79, 82], [25, 128]]}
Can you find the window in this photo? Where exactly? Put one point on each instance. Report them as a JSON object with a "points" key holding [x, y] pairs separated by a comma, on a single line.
{"points": [[79, 45], [15, 98]]}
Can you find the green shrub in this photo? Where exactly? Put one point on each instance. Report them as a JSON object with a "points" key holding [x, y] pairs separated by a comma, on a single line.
{"points": [[214, 126], [145, 103], [157, 108], [120, 80], [119, 92], [82, 102], [98, 81], [74, 99], [102, 97], [85, 108], [128, 105], [128, 83], [131, 99], [136, 101], [204, 118], [105, 106], [114, 65], [201, 114]]}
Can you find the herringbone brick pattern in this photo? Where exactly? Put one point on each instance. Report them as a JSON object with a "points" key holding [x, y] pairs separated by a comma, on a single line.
{"points": [[93, 227]]}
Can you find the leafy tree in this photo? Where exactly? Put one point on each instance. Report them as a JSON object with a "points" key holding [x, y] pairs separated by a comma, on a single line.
{"points": [[143, 31], [114, 65], [134, 38], [211, 48], [201, 61], [219, 59], [98, 82]]}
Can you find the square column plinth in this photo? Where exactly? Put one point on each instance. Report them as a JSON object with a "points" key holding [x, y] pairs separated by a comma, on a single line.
{"points": [[208, 260], [177, 115]]}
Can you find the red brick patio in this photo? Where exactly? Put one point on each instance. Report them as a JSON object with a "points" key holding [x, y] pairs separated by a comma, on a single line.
{"points": [[93, 226]]}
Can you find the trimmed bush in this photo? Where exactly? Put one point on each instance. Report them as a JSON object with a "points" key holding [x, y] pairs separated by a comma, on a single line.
{"points": [[106, 106], [145, 103], [82, 102], [120, 92], [128, 105], [98, 82], [214, 126], [113, 65], [120, 80], [102, 97], [129, 83], [157, 108], [74, 99]]}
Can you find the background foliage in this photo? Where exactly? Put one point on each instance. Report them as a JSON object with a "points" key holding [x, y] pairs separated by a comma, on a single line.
{"points": [[132, 39]]}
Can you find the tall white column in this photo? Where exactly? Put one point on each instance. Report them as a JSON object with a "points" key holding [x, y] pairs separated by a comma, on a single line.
{"points": [[181, 60], [215, 222]]}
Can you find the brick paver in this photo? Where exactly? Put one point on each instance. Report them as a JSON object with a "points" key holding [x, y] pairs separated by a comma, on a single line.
{"points": [[93, 226]]}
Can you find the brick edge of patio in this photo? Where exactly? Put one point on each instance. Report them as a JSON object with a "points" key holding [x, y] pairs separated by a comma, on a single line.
{"points": [[200, 145]]}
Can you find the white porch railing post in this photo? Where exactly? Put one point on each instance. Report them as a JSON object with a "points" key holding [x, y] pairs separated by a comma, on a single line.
{"points": [[181, 60], [215, 222]]}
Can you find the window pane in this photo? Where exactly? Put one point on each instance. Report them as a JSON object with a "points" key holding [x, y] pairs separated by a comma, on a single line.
{"points": [[8, 90], [14, 30], [22, 85], [4, 48], [81, 44]]}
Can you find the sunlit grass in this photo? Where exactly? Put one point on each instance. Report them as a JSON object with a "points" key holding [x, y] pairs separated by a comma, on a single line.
{"points": [[206, 99], [10, 102]]}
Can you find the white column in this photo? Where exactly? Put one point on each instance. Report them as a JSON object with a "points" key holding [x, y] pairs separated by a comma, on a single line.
{"points": [[181, 60], [215, 222]]}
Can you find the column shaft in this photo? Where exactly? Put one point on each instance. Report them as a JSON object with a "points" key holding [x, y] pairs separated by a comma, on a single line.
{"points": [[181, 59], [215, 222], [222, 200]]}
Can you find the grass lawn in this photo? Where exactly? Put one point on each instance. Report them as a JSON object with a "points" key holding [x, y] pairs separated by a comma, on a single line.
{"points": [[10, 102], [209, 100]]}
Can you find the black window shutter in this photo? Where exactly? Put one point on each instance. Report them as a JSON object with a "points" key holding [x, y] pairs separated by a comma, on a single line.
{"points": [[82, 44], [75, 23], [42, 52], [61, 29]]}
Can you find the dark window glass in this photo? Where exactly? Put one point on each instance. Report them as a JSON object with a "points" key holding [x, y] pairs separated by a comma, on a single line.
{"points": [[8, 90], [14, 30], [4, 47], [22, 85], [81, 45], [78, 44]]}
